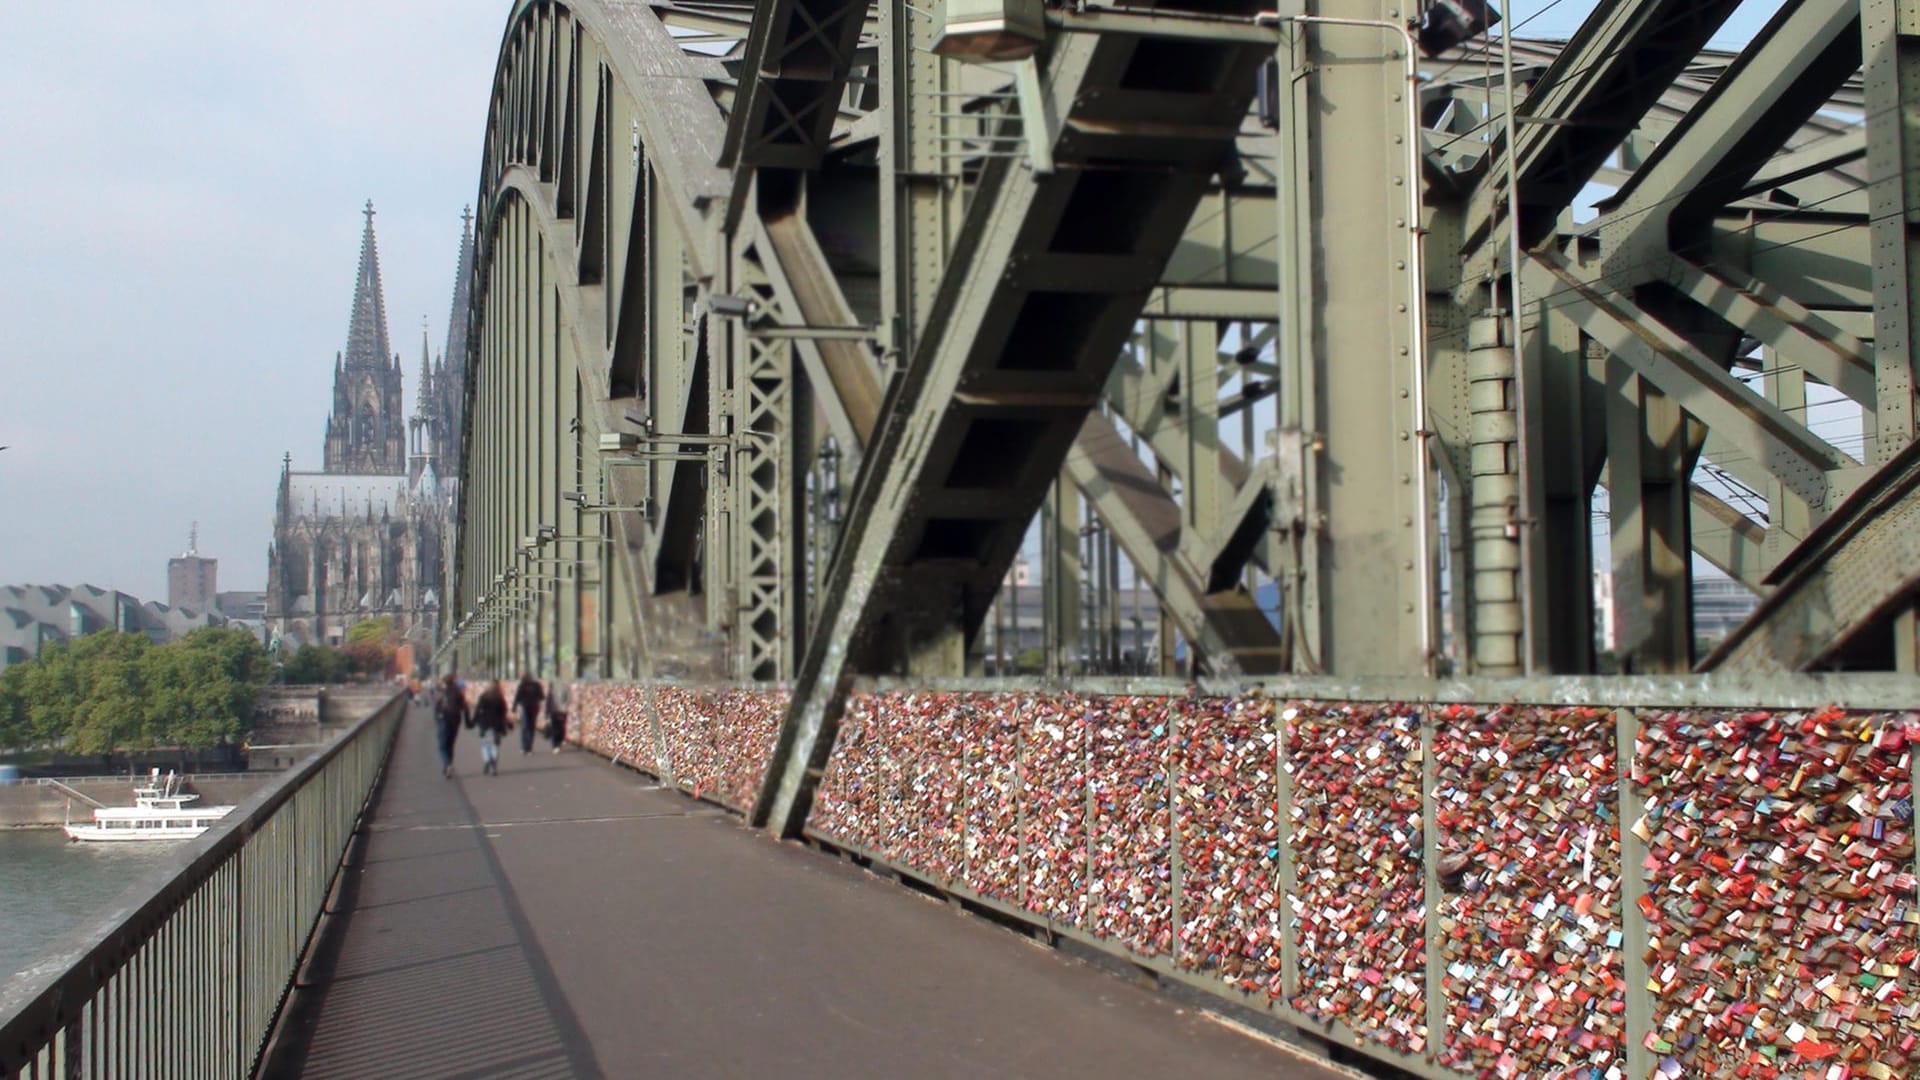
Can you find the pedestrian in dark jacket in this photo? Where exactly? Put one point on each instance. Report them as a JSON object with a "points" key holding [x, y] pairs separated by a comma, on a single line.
{"points": [[449, 715], [490, 716], [557, 709], [526, 702]]}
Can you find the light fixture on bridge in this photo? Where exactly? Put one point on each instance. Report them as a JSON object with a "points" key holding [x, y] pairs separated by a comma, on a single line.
{"points": [[1447, 23], [729, 306], [990, 31], [644, 423]]}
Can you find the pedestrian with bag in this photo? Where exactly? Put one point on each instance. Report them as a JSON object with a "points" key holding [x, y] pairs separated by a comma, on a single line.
{"points": [[557, 703], [526, 701], [490, 716], [450, 714]]}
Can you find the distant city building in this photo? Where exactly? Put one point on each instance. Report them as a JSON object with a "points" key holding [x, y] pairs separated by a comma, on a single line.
{"points": [[246, 610], [192, 581], [242, 606], [1719, 605], [367, 535], [34, 616]]}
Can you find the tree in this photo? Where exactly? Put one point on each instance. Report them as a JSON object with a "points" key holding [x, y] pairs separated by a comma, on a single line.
{"points": [[314, 664], [192, 700], [368, 659], [110, 709], [110, 691], [380, 629], [14, 730]]}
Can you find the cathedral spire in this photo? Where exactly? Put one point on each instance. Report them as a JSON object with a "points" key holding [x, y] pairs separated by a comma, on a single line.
{"points": [[367, 330], [424, 392], [456, 354], [367, 432]]}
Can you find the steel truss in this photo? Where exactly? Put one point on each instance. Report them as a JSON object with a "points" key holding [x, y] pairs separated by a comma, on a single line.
{"points": [[787, 327]]}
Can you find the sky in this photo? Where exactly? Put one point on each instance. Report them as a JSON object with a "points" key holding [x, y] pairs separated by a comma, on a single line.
{"points": [[179, 226]]}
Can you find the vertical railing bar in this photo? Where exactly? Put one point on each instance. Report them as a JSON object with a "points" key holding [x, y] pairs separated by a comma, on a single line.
{"points": [[1087, 838], [1638, 1020], [1436, 1004], [1174, 868], [139, 992], [130, 1013], [236, 983], [1021, 728], [1288, 884], [966, 803]]}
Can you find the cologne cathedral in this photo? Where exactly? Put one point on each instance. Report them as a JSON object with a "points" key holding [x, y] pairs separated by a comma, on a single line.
{"points": [[370, 533]]}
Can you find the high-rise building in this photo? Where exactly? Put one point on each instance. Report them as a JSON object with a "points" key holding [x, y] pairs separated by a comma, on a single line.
{"points": [[367, 535], [192, 581]]}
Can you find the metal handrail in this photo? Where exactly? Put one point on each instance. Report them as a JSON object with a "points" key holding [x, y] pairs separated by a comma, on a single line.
{"points": [[186, 977], [136, 778]]}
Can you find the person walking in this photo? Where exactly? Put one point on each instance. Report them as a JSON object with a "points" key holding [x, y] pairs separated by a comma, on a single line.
{"points": [[557, 705], [526, 702], [450, 714], [490, 716]]}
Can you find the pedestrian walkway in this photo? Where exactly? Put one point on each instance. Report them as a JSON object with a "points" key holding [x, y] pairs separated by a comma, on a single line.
{"points": [[569, 918]]}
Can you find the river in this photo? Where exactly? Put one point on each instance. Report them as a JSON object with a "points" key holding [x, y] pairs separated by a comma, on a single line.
{"points": [[49, 886]]}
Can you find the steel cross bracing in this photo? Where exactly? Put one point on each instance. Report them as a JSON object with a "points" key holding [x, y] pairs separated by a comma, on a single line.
{"points": [[786, 325]]}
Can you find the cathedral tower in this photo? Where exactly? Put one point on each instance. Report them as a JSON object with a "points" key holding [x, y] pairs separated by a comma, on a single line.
{"points": [[367, 433]]}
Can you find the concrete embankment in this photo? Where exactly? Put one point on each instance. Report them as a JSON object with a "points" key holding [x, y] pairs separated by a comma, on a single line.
{"points": [[42, 806]]}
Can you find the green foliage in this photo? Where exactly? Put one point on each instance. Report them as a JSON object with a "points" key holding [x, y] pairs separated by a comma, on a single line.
{"points": [[108, 692], [316, 664], [379, 630], [368, 659], [13, 707]]}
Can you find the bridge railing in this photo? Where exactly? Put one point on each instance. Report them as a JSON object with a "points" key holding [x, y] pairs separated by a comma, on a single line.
{"points": [[1563, 877], [188, 977]]}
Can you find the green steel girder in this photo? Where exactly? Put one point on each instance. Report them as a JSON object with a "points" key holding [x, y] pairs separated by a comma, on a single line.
{"points": [[1223, 622], [1733, 543], [1044, 282], [1801, 459], [1615, 68], [1891, 80], [631, 181], [798, 56], [1788, 72], [1852, 572]]}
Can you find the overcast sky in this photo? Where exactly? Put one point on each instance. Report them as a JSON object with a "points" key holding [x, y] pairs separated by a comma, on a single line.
{"points": [[179, 224]]}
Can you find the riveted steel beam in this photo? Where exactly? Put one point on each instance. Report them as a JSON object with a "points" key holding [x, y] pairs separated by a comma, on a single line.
{"points": [[1891, 43], [1849, 577], [1801, 459], [1615, 68], [1046, 277], [792, 75]]}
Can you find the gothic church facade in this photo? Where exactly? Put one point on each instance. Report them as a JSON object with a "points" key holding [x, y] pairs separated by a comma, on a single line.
{"points": [[368, 535]]}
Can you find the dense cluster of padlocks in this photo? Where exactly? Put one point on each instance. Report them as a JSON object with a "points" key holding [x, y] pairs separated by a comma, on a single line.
{"points": [[714, 744], [1777, 917], [1780, 893], [1527, 804], [1360, 877]]}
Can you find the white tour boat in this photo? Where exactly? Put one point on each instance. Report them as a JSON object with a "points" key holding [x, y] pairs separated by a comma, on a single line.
{"points": [[159, 812]]}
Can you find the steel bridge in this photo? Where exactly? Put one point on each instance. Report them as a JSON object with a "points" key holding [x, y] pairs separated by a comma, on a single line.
{"points": [[1312, 339], [795, 321]]}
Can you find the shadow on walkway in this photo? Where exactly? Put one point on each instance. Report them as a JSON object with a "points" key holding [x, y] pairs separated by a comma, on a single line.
{"points": [[571, 919]]}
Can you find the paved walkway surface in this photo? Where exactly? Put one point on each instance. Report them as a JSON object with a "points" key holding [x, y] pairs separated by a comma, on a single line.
{"points": [[571, 919]]}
